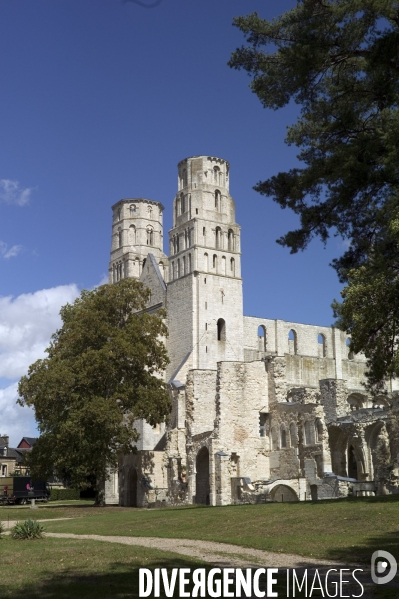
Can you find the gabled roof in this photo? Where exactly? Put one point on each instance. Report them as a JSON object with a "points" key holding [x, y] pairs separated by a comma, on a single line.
{"points": [[29, 440]]}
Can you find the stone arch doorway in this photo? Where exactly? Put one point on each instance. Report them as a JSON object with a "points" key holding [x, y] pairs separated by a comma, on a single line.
{"points": [[283, 493], [202, 477], [352, 462], [131, 500]]}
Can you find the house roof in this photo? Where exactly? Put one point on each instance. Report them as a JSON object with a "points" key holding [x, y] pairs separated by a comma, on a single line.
{"points": [[13, 454], [29, 440]]}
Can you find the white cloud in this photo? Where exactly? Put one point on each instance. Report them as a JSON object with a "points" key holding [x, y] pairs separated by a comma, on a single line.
{"points": [[6, 252], [17, 422], [11, 192], [104, 280], [26, 325]]}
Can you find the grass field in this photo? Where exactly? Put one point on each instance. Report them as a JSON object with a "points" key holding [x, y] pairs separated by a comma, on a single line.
{"points": [[69, 569], [340, 530], [65, 568]]}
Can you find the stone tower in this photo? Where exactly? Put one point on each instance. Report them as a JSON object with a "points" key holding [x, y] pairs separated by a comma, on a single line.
{"points": [[204, 297], [137, 230]]}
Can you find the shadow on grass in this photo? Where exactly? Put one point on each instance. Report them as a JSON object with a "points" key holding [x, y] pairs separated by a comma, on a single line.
{"points": [[119, 582], [362, 553]]}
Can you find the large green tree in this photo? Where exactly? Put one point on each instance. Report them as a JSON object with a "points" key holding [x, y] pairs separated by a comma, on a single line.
{"points": [[339, 61], [102, 372]]}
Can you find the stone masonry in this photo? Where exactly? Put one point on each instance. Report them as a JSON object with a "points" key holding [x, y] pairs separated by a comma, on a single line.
{"points": [[263, 410]]}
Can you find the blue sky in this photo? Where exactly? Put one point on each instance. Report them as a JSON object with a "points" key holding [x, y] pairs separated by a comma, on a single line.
{"points": [[100, 101]]}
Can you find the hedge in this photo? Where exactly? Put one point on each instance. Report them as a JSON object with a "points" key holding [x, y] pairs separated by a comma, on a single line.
{"points": [[63, 494]]}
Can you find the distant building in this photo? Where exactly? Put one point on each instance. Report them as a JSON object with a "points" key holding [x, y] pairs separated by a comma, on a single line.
{"points": [[26, 443], [11, 460]]}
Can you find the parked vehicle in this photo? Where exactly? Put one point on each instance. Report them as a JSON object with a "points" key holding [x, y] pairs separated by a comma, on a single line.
{"points": [[21, 489]]}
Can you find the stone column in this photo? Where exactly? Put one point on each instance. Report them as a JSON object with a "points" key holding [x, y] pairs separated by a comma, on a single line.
{"points": [[222, 479]]}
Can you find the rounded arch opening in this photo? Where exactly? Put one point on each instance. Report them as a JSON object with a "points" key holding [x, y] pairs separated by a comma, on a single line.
{"points": [[262, 337], [292, 342], [282, 493], [221, 329], [321, 342], [202, 477]]}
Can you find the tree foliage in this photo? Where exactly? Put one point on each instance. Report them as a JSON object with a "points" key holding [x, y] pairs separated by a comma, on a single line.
{"points": [[102, 373], [339, 60]]}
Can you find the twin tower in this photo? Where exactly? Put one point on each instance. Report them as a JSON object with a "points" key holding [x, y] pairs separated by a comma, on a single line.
{"points": [[200, 282]]}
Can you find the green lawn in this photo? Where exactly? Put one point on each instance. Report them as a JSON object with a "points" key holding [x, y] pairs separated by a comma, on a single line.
{"points": [[68, 569], [345, 530]]}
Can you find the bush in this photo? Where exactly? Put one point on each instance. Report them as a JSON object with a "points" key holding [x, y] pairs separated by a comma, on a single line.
{"points": [[64, 494], [28, 530]]}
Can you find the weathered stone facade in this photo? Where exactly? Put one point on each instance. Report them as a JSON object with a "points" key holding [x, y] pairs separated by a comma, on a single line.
{"points": [[262, 409]]}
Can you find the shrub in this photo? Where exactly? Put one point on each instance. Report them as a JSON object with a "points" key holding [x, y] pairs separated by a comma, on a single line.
{"points": [[64, 494], [28, 530]]}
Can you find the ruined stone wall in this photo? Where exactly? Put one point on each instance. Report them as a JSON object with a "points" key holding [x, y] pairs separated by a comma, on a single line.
{"points": [[242, 395], [334, 399], [308, 371], [179, 306], [200, 401]]}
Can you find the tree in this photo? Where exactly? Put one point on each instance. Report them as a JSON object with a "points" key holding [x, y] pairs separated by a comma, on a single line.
{"points": [[339, 60], [101, 374]]}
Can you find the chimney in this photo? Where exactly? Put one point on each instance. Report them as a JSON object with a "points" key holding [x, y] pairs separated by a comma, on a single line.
{"points": [[6, 440]]}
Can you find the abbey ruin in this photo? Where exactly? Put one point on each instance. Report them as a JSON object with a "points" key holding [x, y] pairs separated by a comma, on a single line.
{"points": [[262, 409]]}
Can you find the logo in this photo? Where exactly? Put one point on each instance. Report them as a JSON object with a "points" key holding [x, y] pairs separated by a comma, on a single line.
{"points": [[381, 561]]}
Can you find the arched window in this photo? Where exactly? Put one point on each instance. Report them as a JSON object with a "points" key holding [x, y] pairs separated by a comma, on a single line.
{"points": [[356, 401], [350, 353], [274, 438], [178, 268], [230, 240], [178, 207], [149, 210], [293, 435], [182, 203], [283, 437], [150, 236], [184, 266], [218, 201], [223, 265], [221, 325], [132, 235], [137, 266], [292, 342], [308, 433], [321, 341], [189, 263], [206, 262], [173, 271], [214, 261], [262, 338], [232, 267], [120, 239], [132, 209], [218, 238], [184, 178], [318, 429], [216, 171]]}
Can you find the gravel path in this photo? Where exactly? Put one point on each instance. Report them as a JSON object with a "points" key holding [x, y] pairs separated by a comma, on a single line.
{"points": [[220, 554]]}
